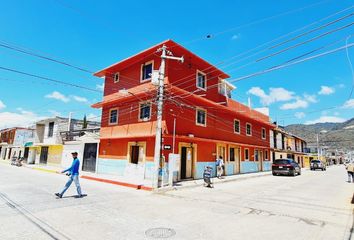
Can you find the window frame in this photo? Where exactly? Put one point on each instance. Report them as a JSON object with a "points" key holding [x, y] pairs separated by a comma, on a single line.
{"points": [[141, 71], [248, 154], [250, 129], [114, 77], [50, 132], [239, 126], [196, 80], [196, 117], [265, 133], [144, 103], [109, 116]]}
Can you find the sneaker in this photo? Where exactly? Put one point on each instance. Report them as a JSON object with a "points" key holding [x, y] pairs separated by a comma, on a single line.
{"points": [[58, 195], [81, 196]]}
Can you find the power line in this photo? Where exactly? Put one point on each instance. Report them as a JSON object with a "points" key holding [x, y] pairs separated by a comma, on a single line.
{"points": [[307, 41], [50, 79], [311, 31], [258, 21]]}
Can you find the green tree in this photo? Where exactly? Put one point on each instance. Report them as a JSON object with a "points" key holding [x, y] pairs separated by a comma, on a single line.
{"points": [[84, 125]]}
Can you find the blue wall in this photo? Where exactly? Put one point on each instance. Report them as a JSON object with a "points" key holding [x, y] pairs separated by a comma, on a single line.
{"points": [[111, 166], [229, 169], [247, 167], [201, 166], [267, 166]]}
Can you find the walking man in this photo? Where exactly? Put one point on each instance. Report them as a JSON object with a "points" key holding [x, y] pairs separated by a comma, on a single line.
{"points": [[73, 173], [219, 167]]}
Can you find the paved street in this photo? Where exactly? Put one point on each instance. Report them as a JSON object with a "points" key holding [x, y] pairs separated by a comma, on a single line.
{"points": [[315, 205]]}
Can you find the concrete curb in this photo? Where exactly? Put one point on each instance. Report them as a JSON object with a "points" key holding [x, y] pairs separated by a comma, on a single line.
{"points": [[167, 189], [124, 184]]}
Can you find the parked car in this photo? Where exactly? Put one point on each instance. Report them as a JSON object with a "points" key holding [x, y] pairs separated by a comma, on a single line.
{"points": [[285, 167], [317, 164]]}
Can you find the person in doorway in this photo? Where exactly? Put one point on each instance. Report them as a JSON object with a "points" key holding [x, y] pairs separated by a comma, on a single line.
{"points": [[219, 167], [73, 173], [350, 170]]}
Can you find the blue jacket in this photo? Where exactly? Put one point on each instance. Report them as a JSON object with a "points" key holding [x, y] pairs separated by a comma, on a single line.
{"points": [[74, 168]]}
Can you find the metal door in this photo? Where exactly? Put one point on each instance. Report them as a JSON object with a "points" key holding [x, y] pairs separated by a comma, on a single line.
{"points": [[89, 158], [44, 155]]}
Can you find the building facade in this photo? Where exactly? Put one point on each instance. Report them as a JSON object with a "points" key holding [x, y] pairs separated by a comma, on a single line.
{"points": [[47, 147], [200, 120], [286, 145], [14, 141]]}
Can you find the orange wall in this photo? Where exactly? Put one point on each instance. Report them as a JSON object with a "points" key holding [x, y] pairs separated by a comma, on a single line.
{"points": [[219, 126]]}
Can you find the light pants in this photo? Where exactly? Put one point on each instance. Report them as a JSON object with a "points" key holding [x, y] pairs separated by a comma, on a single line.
{"points": [[351, 177], [219, 171], [72, 178]]}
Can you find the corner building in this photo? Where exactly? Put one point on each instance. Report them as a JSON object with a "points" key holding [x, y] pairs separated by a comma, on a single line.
{"points": [[200, 120]]}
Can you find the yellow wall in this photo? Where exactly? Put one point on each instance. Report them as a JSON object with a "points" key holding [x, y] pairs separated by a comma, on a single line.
{"points": [[55, 154]]}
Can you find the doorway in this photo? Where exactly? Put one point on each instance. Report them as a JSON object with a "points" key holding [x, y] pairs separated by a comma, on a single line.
{"points": [[234, 158], [89, 158], [25, 155], [221, 151], [44, 155], [186, 169]]}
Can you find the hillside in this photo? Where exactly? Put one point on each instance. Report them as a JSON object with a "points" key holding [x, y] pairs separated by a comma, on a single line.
{"points": [[332, 135]]}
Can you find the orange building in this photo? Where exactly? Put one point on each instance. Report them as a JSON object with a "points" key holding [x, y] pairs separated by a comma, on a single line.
{"points": [[200, 120]]}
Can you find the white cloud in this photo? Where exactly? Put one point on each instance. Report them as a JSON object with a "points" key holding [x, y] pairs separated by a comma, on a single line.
{"points": [[310, 98], [54, 113], [58, 96], [235, 36], [325, 90], [22, 119], [80, 99], [2, 105], [300, 115], [349, 103], [275, 95], [325, 119], [100, 87], [93, 117], [299, 103]]}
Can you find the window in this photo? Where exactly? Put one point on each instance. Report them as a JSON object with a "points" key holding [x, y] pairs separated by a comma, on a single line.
{"points": [[201, 80], [113, 116], [116, 77], [236, 126], [224, 88], [247, 156], [145, 111], [146, 71], [51, 129], [266, 154], [232, 154], [256, 155], [248, 129], [201, 117], [264, 133]]}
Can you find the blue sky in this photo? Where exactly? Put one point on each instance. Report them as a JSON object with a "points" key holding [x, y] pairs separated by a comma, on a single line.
{"points": [[95, 34]]}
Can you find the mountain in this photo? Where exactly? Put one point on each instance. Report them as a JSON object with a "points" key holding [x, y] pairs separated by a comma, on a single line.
{"points": [[332, 135]]}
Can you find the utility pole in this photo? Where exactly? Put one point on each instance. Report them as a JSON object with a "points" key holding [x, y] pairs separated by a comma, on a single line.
{"points": [[318, 148], [161, 85]]}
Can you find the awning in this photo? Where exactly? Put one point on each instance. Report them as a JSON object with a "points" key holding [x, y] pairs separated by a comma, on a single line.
{"points": [[28, 144]]}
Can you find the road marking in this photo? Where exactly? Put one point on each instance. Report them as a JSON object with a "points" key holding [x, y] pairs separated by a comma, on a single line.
{"points": [[44, 227]]}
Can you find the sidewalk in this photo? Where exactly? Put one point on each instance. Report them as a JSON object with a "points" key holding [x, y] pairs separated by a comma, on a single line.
{"points": [[111, 179], [224, 179]]}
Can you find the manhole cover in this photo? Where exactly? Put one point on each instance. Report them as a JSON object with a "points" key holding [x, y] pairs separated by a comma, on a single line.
{"points": [[160, 232]]}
